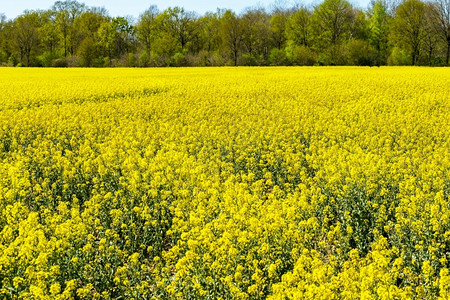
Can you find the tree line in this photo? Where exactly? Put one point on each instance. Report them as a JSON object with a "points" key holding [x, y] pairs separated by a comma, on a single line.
{"points": [[334, 32]]}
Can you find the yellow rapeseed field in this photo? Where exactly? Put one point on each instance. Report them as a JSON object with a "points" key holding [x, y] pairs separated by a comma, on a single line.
{"points": [[225, 183]]}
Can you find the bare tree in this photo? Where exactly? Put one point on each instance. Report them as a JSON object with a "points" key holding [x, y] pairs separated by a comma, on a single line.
{"points": [[2, 21]]}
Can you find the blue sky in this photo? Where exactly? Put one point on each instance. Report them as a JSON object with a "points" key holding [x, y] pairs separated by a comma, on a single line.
{"points": [[12, 8]]}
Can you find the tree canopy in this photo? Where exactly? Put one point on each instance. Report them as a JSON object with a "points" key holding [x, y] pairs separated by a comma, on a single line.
{"points": [[333, 32]]}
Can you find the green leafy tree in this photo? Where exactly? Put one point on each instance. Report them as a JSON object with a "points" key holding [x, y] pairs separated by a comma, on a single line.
{"points": [[359, 28], [360, 53], [210, 31], [117, 37], [146, 27], [431, 40], [165, 44], [408, 27], [332, 23], [441, 14], [3, 37], [8, 42], [26, 31], [231, 32], [107, 36], [298, 28], [63, 23], [278, 29], [66, 13], [89, 22], [379, 31], [333, 20], [88, 52], [48, 31], [256, 35], [125, 35], [180, 24]]}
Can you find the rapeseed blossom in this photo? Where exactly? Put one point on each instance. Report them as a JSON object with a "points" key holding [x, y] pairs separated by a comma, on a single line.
{"points": [[225, 183]]}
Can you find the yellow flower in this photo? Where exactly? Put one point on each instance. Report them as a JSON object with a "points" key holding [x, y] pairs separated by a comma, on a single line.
{"points": [[55, 288], [279, 183]]}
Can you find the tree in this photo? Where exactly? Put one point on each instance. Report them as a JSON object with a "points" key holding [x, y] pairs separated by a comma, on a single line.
{"points": [[8, 42], [89, 22], [180, 24], [298, 28], [334, 18], [210, 31], [26, 35], [278, 29], [146, 27], [66, 13], [125, 35], [117, 37], [431, 28], [359, 27], [231, 31], [88, 52], [331, 33], [2, 21], [3, 24], [332, 21], [441, 12], [360, 53], [49, 31], [408, 27], [256, 35], [3, 37], [379, 31], [106, 34]]}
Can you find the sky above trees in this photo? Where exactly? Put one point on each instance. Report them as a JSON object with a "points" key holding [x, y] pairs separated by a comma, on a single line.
{"points": [[134, 7]]}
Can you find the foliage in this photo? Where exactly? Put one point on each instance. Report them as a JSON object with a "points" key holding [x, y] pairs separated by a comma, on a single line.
{"points": [[299, 27], [361, 53], [408, 27], [301, 55], [378, 31], [333, 32]]}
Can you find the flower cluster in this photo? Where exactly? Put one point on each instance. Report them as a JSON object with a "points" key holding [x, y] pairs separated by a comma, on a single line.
{"points": [[225, 183]]}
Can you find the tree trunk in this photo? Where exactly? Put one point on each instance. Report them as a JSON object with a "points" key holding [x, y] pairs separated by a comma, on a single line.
{"points": [[65, 46], [415, 54], [430, 53], [28, 57], [448, 51]]}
